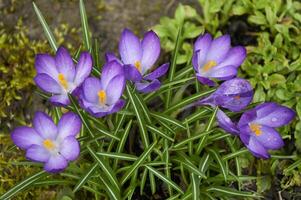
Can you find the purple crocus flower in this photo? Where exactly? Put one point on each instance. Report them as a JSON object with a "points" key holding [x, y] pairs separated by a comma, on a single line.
{"points": [[256, 127], [215, 58], [234, 94], [101, 97], [138, 57], [47, 143], [58, 75]]}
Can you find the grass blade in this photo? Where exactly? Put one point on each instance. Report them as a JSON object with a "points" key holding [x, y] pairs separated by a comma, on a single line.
{"points": [[232, 192], [220, 162], [165, 179], [121, 156], [188, 100], [85, 178], [174, 62], [204, 139], [168, 120], [159, 132], [85, 26], [106, 169], [137, 163], [22, 185], [46, 28], [195, 187], [140, 119]]}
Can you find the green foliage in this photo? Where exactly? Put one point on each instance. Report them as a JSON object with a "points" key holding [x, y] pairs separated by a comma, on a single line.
{"points": [[271, 31]]}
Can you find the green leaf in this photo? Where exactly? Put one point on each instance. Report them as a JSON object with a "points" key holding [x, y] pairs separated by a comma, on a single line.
{"points": [[292, 166], [46, 28], [113, 194], [168, 119], [85, 28], [195, 186], [188, 100], [172, 68], [137, 163], [159, 132], [220, 162], [85, 178], [121, 156], [140, 118], [209, 125], [23, 185], [165, 179], [105, 167], [196, 136], [232, 192]]}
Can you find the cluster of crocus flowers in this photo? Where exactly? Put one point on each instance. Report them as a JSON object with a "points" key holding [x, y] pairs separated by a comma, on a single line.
{"points": [[216, 59], [101, 97], [45, 142], [59, 76], [138, 57], [256, 127]]}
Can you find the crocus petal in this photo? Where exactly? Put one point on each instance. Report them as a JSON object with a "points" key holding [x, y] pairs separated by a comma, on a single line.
{"points": [[203, 42], [224, 73], [44, 126], [132, 73], [56, 163], [129, 47], [235, 57], [111, 57], [24, 137], [233, 103], [69, 125], [83, 68], [148, 87], [254, 146], [273, 115], [246, 118], [64, 64], [150, 50], [157, 73], [115, 89], [70, 148], [117, 106], [225, 123], [48, 84], [45, 64], [205, 81], [210, 100], [219, 48], [109, 71], [91, 86], [269, 138], [60, 100], [195, 60], [37, 153], [201, 49]]}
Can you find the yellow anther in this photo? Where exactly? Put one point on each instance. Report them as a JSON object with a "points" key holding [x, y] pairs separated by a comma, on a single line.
{"points": [[256, 128], [237, 97], [209, 65], [102, 97], [48, 144], [138, 65], [63, 81]]}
